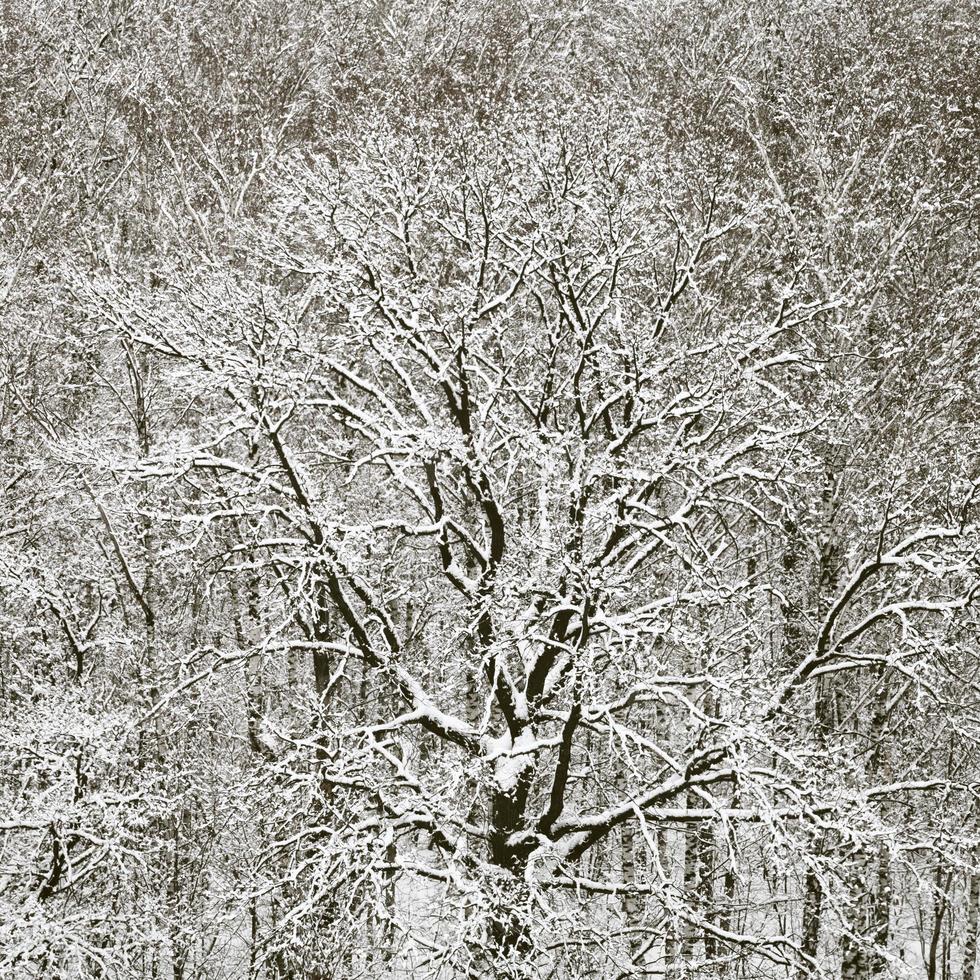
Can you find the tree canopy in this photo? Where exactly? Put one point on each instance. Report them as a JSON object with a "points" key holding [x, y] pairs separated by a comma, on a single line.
{"points": [[489, 490]]}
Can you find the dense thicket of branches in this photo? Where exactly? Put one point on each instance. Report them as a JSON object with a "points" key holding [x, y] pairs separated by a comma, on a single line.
{"points": [[489, 489]]}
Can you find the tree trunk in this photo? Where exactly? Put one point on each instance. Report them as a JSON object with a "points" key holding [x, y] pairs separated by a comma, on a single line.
{"points": [[632, 905], [871, 887], [972, 927], [812, 904], [508, 924], [940, 906], [672, 944], [793, 643]]}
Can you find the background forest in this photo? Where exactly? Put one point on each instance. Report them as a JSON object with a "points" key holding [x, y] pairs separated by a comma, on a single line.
{"points": [[489, 489]]}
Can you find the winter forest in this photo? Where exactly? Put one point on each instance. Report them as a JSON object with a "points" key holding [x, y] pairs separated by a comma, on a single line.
{"points": [[489, 489]]}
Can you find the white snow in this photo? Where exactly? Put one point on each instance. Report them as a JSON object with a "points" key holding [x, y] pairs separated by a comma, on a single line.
{"points": [[512, 762]]}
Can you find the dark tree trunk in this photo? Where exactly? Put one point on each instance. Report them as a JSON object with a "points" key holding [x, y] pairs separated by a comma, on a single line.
{"points": [[972, 927]]}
